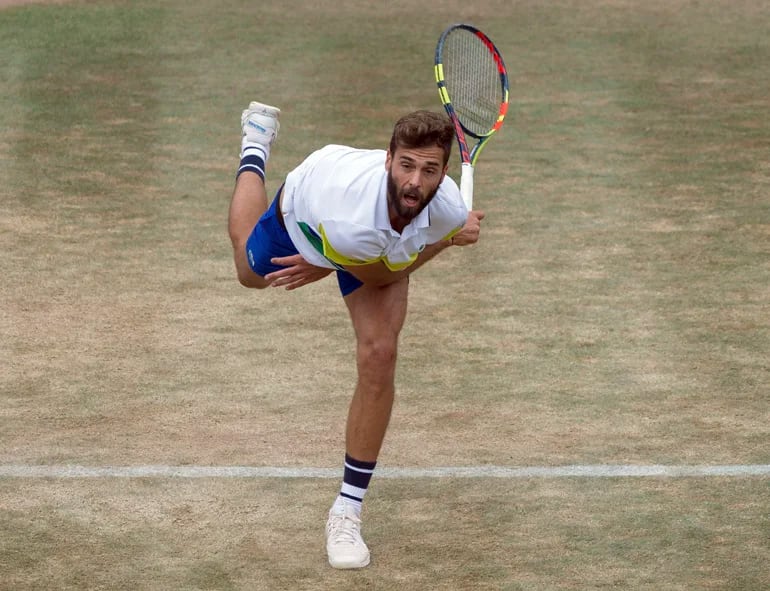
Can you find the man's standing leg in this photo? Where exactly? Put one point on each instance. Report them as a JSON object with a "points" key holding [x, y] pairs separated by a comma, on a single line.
{"points": [[378, 314], [260, 128]]}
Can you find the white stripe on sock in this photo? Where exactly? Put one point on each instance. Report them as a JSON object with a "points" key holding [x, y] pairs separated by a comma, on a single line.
{"points": [[252, 167], [361, 470], [353, 491], [251, 149]]}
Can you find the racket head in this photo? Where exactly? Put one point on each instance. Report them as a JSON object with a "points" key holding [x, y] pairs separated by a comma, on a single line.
{"points": [[473, 84]]}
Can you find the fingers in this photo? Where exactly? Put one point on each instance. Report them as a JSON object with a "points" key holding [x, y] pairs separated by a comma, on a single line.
{"points": [[296, 273], [288, 261], [290, 283], [470, 231], [286, 278]]}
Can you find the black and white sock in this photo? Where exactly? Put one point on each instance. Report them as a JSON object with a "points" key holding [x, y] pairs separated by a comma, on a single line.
{"points": [[253, 159], [355, 481]]}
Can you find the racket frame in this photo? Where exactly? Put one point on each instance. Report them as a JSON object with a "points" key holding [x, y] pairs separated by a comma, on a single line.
{"points": [[468, 157]]}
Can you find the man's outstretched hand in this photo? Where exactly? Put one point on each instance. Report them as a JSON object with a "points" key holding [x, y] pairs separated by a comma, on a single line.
{"points": [[296, 272]]}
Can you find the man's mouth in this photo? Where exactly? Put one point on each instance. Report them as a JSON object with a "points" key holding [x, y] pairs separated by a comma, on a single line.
{"points": [[411, 199]]}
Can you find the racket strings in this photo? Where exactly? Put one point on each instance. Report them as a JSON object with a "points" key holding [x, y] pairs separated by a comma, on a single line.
{"points": [[472, 81]]}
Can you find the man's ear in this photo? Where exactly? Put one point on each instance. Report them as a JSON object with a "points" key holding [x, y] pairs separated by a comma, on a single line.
{"points": [[388, 161]]}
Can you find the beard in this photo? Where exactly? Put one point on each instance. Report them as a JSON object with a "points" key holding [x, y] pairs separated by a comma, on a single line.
{"points": [[396, 201]]}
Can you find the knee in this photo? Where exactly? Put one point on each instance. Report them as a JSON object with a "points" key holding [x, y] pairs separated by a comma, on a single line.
{"points": [[378, 354], [248, 278], [252, 282], [377, 370]]}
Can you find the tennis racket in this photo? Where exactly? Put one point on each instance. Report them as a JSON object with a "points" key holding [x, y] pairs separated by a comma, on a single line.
{"points": [[473, 85]]}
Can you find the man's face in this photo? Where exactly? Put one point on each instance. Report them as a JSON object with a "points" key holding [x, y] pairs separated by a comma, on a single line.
{"points": [[414, 175]]}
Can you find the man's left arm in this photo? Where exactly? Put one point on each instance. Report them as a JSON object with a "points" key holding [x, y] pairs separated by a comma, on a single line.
{"points": [[379, 274]]}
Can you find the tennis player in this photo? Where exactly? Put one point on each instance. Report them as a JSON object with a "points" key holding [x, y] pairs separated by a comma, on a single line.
{"points": [[373, 217]]}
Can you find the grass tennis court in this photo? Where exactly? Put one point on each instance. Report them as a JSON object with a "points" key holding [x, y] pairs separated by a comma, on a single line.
{"points": [[615, 312]]}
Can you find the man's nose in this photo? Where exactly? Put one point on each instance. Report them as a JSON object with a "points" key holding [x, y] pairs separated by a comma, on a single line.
{"points": [[415, 178]]}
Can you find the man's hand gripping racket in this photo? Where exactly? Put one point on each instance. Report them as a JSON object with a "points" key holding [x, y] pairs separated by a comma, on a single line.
{"points": [[473, 85]]}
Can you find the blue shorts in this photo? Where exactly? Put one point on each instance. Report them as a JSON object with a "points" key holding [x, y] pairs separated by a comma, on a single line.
{"points": [[269, 239]]}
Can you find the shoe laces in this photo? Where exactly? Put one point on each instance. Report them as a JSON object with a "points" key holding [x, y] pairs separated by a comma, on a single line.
{"points": [[344, 528]]}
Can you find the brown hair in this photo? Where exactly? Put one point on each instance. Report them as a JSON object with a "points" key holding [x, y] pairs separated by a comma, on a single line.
{"points": [[422, 129]]}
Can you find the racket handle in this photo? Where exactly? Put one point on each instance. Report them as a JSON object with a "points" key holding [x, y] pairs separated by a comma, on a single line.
{"points": [[466, 184]]}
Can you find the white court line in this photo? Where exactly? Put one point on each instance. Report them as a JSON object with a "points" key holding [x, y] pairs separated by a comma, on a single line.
{"points": [[580, 471]]}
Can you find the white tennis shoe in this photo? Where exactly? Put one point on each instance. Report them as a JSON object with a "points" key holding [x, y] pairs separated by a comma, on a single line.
{"points": [[344, 545], [260, 126]]}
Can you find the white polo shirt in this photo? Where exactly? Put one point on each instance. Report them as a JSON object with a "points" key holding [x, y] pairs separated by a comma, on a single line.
{"points": [[335, 207]]}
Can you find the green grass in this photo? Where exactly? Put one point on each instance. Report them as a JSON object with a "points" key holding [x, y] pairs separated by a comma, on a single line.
{"points": [[615, 311]]}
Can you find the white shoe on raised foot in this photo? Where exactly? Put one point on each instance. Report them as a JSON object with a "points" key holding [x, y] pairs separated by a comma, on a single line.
{"points": [[344, 545], [260, 125]]}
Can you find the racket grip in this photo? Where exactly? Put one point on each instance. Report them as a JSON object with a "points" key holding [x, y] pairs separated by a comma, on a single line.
{"points": [[466, 184]]}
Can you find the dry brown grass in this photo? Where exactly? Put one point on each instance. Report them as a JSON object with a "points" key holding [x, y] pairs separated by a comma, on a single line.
{"points": [[615, 311]]}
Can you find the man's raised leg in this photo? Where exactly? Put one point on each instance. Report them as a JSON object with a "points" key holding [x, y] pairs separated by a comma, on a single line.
{"points": [[260, 126]]}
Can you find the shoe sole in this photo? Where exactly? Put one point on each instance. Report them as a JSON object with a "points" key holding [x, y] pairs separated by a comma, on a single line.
{"points": [[349, 566]]}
